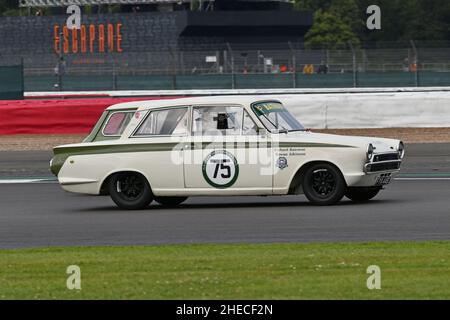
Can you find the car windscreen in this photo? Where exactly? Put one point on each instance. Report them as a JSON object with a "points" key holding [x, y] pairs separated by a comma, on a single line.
{"points": [[275, 117]]}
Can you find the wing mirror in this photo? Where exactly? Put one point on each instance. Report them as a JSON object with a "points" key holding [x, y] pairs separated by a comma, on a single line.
{"points": [[261, 131]]}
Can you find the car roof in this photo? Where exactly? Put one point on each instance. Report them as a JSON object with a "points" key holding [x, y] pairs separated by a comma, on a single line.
{"points": [[149, 104]]}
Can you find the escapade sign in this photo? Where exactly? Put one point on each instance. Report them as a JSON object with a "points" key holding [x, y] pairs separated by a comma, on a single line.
{"points": [[92, 38], [74, 37]]}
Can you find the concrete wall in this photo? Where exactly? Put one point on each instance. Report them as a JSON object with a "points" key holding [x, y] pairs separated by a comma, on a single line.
{"points": [[333, 108]]}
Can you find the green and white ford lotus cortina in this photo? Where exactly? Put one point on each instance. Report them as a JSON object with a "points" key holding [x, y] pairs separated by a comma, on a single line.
{"points": [[168, 150]]}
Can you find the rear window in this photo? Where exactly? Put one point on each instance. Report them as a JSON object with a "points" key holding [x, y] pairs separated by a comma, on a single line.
{"points": [[117, 122]]}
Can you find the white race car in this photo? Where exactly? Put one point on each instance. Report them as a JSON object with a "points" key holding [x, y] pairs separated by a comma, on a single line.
{"points": [[168, 150]]}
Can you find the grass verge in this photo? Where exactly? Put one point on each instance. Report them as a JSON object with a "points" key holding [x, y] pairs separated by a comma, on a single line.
{"points": [[409, 270]]}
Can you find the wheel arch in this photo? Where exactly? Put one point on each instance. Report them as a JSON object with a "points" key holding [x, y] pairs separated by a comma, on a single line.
{"points": [[295, 186], [104, 184]]}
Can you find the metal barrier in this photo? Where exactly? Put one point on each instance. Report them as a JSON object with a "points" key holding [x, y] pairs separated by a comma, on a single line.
{"points": [[11, 82]]}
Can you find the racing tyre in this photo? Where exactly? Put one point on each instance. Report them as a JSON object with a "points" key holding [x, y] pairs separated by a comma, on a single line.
{"points": [[362, 194], [323, 184], [130, 190], [170, 201]]}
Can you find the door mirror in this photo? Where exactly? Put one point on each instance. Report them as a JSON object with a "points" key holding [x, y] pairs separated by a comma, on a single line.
{"points": [[261, 131]]}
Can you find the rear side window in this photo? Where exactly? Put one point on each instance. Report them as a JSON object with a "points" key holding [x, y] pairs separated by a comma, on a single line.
{"points": [[165, 122], [117, 122]]}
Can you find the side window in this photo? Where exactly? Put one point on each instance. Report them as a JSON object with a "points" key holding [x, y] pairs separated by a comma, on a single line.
{"points": [[117, 123], [217, 120], [249, 127], [165, 122]]}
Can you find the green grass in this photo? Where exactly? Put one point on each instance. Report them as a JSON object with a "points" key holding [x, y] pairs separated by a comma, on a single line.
{"points": [[409, 270]]}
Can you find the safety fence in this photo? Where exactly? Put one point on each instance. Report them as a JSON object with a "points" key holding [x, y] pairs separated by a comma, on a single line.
{"points": [[234, 66]]}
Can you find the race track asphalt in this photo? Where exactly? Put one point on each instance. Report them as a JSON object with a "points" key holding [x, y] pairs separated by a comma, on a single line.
{"points": [[416, 207]]}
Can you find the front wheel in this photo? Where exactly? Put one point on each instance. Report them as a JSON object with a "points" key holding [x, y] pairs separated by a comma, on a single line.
{"points": [[362, 194], [170, 201], [130, 190], [323, 184]]}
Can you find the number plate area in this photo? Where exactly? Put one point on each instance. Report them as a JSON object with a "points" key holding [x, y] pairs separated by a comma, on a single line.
{"points": [[383, 179]]}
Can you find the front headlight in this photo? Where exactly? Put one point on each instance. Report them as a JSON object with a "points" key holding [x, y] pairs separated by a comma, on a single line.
{"points": [[369, 153], [401, 150]]}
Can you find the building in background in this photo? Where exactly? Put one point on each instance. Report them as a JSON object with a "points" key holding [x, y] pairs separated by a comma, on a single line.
{"points": [[158, 25]]}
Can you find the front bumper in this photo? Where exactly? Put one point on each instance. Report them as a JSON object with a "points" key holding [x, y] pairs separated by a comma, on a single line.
{"points": [[379, 171]]}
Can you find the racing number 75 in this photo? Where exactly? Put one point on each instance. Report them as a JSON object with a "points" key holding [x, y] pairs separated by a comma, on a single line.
{"points": [[222, 166]]}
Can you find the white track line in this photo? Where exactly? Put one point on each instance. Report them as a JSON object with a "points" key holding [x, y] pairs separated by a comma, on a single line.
{"points": [[25, 181]]}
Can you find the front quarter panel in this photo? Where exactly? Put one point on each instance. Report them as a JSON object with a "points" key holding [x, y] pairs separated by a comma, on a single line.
{"points": [[348, 159]]}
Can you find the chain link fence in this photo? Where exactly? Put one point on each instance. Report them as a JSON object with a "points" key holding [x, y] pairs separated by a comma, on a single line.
{"points": [[234, 66]]}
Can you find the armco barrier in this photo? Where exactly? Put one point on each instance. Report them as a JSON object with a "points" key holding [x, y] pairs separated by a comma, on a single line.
{"points": [[113, 81], [54, 116]]}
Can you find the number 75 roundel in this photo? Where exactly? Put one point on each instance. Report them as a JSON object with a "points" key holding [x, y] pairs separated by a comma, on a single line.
{"points": [[220, 169]]}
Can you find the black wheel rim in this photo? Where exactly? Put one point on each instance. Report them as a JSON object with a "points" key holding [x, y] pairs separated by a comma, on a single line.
{"points": [[323, 182], [130, 186]]}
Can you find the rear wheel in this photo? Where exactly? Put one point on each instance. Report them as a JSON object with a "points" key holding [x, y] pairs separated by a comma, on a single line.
{"points": [[323, 184], [130, 190], [170, 201], [362, 194]]}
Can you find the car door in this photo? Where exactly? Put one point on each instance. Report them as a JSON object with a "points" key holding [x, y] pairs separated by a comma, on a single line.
{"points": [[221, 156], [160, 139]]}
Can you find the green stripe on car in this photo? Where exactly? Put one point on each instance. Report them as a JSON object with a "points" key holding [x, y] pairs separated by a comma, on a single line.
{"points": [[62, 153]]}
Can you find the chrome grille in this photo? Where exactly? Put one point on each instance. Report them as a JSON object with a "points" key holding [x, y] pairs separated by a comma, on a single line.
{"points": [[385, 157], [383, 166], [383, 162]]}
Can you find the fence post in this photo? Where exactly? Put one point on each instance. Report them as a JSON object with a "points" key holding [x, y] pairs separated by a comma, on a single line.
{"points": [[173, 69], [114, 76], [294, 65], [23, 77], [355, 75], [416, 62], [60, 59], [181, 68], [233, 77]]}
